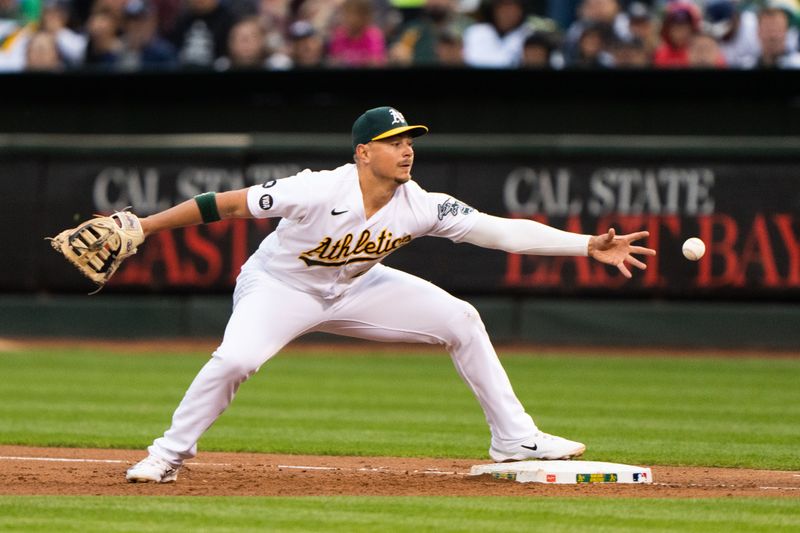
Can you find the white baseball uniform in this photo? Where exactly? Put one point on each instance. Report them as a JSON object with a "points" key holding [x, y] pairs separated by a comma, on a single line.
{"points": [[320, 271]]}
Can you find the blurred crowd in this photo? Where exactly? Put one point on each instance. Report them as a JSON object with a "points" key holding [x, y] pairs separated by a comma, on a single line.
{"points": [[134, 35]]}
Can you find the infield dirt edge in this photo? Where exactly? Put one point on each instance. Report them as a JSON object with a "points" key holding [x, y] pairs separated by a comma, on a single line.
{"points": [[79, 471]]}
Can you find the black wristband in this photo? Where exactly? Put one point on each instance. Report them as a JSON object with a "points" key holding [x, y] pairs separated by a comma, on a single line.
{"points": [[207, 202]]}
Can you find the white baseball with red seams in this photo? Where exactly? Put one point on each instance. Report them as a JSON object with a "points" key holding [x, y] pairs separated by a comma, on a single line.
{"points": [[693, 249]]}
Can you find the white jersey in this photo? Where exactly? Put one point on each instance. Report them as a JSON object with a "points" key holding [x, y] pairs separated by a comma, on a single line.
{"points": [[324, 242]]}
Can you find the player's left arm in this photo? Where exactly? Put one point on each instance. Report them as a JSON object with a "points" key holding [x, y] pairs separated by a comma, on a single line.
{"points": [[97, 247], [529, 237]]}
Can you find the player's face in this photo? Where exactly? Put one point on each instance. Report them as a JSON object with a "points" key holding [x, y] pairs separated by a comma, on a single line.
{"points": [[392, 157]]}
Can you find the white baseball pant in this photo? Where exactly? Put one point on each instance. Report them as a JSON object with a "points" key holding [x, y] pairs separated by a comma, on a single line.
{"points": [[387, 305]]}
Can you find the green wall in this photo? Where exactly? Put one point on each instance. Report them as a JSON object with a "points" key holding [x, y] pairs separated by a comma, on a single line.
{"points": [[646, 324]]}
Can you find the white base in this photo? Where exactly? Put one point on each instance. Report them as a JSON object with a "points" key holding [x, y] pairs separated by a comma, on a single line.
{"points": [[564, 472]]}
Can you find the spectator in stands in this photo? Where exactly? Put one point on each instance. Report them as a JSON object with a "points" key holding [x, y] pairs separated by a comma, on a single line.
{"points": [[593, 47], [42, 53], [19, 22], [247, 47], [10, 16], [389, 18], [773, 26], [55, 20], [142, 47], [306, 47], [320, 13], [595, 13], [643, 26], [736, 32], [14, 36], [105, 46], [418, 39], [705, 52], [497, 43], [541, 51], [630, 54], [356, 40], [201, 33], [449, 49], [681, 22], [275, 17], [166, 15], [115, 8]]}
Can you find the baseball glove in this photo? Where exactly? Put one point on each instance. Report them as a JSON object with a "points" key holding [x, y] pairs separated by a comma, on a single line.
{"points": [[98, 246]]}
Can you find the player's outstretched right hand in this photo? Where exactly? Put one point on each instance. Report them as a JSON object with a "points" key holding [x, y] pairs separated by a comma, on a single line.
{"points": [[616, 250]]}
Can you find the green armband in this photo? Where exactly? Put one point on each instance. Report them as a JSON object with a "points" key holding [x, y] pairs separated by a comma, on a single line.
{"points": [[207, 202]]}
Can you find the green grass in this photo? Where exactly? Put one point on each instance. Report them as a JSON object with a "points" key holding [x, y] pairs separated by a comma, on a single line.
{"points": [[727, 412], [682, 411], [413, 514]]}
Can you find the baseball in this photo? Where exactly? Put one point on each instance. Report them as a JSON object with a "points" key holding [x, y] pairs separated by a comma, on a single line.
{"points": [[693, 249]]}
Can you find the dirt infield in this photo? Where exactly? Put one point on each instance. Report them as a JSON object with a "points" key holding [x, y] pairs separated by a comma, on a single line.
{"points": [[72, 471]]}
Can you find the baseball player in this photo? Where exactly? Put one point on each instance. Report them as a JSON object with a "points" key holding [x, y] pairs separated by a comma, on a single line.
{"points": [[321, 270]]}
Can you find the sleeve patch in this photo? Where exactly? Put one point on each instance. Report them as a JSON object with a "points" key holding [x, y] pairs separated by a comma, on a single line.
{"points": [[453, 208], [265, 202]]}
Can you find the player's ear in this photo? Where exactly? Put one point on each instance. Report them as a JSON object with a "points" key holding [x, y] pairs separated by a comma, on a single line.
{"points": [[361, 153]]}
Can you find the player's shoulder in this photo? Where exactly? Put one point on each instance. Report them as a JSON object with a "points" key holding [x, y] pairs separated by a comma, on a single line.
{"points": [[322, 179], [434, 203], [415, 192], [412, 188], [426, 204], [414, 195]]}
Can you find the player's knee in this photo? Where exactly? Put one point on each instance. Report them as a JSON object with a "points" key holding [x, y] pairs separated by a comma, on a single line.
{"points": [[238, 366], [465, 323]]}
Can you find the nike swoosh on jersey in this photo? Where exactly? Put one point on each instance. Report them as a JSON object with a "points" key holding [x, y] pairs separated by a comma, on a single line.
{"points": [[334, 212]]}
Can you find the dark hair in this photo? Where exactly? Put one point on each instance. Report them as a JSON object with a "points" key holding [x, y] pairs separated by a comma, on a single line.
{"points": [[634, 43], [546, 40], [486, 9], [604, 30], [449, 36], [365, 7]]}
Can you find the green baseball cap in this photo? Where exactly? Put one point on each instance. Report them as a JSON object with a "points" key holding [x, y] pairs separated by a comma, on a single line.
{"points": [[380, 123]]}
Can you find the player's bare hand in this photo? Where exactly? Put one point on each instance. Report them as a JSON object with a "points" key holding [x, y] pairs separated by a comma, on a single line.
{"points": [[618, 250]]}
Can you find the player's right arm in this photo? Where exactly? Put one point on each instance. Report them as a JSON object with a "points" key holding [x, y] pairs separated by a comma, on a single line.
{"points": [[229, 204], [461, 223], [521, 236]]}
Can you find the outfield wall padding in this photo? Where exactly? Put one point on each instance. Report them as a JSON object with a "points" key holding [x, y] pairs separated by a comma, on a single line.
{"points": [[602, 323]]}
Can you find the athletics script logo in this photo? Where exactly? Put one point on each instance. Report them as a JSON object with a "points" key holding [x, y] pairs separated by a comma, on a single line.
{"points": [[453, 208], [350, 249]]}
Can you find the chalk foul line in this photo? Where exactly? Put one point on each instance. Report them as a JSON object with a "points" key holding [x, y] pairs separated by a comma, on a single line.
{"points": [[76, 460], [195, 464]]}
